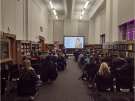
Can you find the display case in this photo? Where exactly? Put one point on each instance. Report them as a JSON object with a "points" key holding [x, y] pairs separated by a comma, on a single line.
{"points": [[23, 49], [5, 53], [35, 48]]}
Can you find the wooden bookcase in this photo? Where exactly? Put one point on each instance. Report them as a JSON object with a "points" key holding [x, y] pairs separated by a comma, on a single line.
{"points": [[23, 49], [35, 48], [7, 47], [124, 48]]}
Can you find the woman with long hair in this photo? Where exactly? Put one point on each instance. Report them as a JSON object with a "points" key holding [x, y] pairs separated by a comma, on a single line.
{"points": [[104, 80]]}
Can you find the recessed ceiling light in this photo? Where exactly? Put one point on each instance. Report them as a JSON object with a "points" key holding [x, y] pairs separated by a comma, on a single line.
{"points": [[50, 2], [82, 13], [57, 17], [54, 11], [86, 4], [80, 17]]}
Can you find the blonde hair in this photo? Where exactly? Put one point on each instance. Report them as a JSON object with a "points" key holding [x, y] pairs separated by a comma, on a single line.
{"points": [[104, 69]]}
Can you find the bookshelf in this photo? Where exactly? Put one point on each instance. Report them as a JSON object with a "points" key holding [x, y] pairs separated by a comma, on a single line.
{"points": [[7, 47], [35, 48], [23, 49], [124, 48]]}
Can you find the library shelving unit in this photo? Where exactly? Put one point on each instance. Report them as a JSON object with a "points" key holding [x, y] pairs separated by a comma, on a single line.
{"points": [[124, 48], [35, 48], [97, 47], [7, 47], [23, 49]]}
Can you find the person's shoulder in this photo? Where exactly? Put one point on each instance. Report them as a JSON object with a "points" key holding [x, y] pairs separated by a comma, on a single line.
{"points": [[31, 69]]}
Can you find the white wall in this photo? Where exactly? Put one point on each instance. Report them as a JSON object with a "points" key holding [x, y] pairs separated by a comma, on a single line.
{"points": [[58, 31], [13, 18], [76, 28], [115, 13], [9, 16], [91, 36], [0, 17], [37, 17], [50, 31], [70, 27], [97, 26], [115, 32], [134, 9], [24, 18], [125, 10]]}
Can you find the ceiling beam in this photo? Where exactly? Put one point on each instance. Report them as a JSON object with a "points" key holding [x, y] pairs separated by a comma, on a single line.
{"points": [[65, 8], [73, 7], [95, 9]]}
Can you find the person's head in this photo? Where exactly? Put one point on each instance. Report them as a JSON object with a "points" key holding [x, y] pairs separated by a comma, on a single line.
{"points": [[104, 69], [27, 63]]}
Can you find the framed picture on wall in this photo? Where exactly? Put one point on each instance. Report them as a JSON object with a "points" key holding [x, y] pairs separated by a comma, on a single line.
{"points": [[5, 54]]}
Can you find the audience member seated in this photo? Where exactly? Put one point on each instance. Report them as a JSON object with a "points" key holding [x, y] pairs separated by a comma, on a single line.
{"points": [[27, 81], [61, 62], [49, 68], [14, 72], [104, 79], [125, 77], [4, 78], [92, 69], [118, 64]]}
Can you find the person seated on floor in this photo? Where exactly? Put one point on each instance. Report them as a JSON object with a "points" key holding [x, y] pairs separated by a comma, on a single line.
{"points": [[104, 79], [27, 83]]}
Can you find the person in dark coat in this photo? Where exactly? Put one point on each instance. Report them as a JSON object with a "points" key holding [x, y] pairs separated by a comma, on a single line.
{"points": [[48, 68], [61, 62], [125, 75], [118, 64], [27, 83]]}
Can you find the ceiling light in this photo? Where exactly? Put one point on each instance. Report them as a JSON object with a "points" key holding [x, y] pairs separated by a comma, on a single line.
{"points": [[50, 2], [57, 17], [82, 13], [54, 11], [86, 4], [80, 17]]}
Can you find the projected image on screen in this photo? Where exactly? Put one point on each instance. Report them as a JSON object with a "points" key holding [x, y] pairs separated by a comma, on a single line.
{"points": [[73, 42]]}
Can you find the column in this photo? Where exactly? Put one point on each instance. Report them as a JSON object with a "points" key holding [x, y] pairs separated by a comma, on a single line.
{"points": [[108, 21]]}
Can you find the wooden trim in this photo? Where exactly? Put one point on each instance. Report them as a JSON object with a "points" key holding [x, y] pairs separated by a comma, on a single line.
{"points": [[5, 60], [9, 52], [10, 35]]}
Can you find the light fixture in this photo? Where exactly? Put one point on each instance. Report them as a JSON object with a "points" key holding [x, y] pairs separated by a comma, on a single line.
{"points": [[86, 4], [50, 2], [56, 17], [80, 17], [54, 11], [82, 13], [84, 8]]}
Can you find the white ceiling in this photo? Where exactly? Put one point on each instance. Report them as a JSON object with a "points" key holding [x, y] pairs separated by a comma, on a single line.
{"points": [[71, 8]]}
